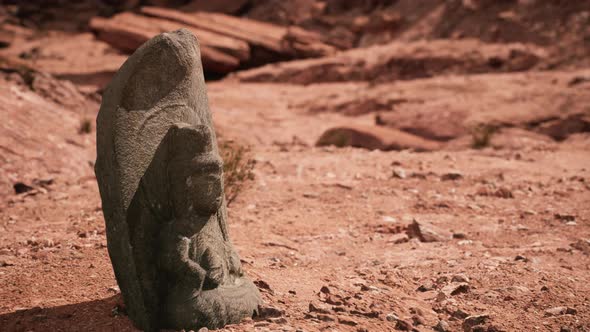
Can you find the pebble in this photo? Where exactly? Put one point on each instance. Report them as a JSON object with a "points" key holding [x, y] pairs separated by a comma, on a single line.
{"points": [[399, 173], [451, 176], [391, 317], [442, 326], [460, 278], [426, 233], [347, 321], [455, 288], [472, 321]]}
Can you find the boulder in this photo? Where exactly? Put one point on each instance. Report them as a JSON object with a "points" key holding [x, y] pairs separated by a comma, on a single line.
{"points": [[375, 138]]}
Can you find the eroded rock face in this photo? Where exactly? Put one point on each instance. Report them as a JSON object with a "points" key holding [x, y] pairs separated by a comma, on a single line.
{"points": [[161, 184]]}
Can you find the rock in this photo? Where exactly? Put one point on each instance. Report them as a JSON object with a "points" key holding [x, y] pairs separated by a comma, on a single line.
{"points": [[347, 321], [455, 288], [426, 232], [403, 325], [375, 138], [558, 311], [399, 173], [442, 326], [154, 132], [21, 187], [319, 307], [583, 245], [218, 6], [265, 312], [391, 317], [128, 31], [6, 261], [460, 278], [292, 42], [501, 192], [565, 217], [452, 176], [470, 322], [325, 317], [394, 61], [459, 314]]}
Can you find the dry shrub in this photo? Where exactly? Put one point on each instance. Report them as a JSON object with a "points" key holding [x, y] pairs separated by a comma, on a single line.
{"points": [[237, 168], [481, 135], [85, 126]]}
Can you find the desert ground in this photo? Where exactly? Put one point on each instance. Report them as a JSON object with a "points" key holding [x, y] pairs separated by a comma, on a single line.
{"points": [[417, 166]]}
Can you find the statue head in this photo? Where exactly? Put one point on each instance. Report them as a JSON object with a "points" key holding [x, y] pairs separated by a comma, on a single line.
{"points": [[195, 171]]}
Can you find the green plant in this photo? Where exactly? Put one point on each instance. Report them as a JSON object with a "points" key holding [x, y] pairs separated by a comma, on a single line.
{"points": [[237, 168], [481, 135]]}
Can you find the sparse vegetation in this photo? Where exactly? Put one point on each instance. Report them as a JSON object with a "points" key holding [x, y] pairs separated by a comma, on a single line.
{"points": [[481, 135], [237, 168], [85, 126]]}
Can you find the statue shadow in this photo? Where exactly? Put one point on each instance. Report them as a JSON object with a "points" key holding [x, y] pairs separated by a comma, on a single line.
{"points": [[96, 315]]}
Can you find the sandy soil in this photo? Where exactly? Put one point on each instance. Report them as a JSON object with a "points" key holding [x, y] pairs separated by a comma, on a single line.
{"points": [[337, 239], [324, 231]]}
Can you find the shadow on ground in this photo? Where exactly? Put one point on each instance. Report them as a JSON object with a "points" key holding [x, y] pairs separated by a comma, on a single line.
{"points": [[97, 315]]}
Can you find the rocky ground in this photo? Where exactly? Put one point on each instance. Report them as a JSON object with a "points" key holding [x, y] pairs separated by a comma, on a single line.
{"points": [[449, 191]]}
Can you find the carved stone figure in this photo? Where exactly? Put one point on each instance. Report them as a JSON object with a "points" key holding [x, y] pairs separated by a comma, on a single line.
{"points": [[161, 183]]}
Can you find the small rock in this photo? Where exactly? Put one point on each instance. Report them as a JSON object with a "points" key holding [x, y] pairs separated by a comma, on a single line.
{"points": [[425, 232], [503, 192], [278, 321], [399, 173], [521, 258], [427, 286], [558, 311], [6, 261], [460, 278], [565, 217], [442, 326], [582, 245], [456, 288], [403, 325], [473, 321], [452, 176], [269, 312], [391, 317], [21, 187], [399, 238], [319, 307], [263, 286], [389, 219], [326, 318], [347, 321], [459, 314], [114, 289], [459, 236]]}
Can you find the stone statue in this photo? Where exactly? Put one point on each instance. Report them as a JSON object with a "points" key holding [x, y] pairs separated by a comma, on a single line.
{"points": [[161, 183]]}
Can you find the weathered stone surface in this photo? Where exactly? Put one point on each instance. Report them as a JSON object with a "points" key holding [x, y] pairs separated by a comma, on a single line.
{"points": [[375, 138], [128, 31], [292, 42], [160, 180], [400, 61]]}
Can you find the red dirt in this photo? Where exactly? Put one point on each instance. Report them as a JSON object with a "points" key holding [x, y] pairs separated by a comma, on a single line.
{"points": [[328, 233]]}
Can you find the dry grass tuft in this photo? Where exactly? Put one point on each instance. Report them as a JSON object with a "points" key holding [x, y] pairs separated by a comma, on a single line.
{"points": [[481, 135], [237, 168]]}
